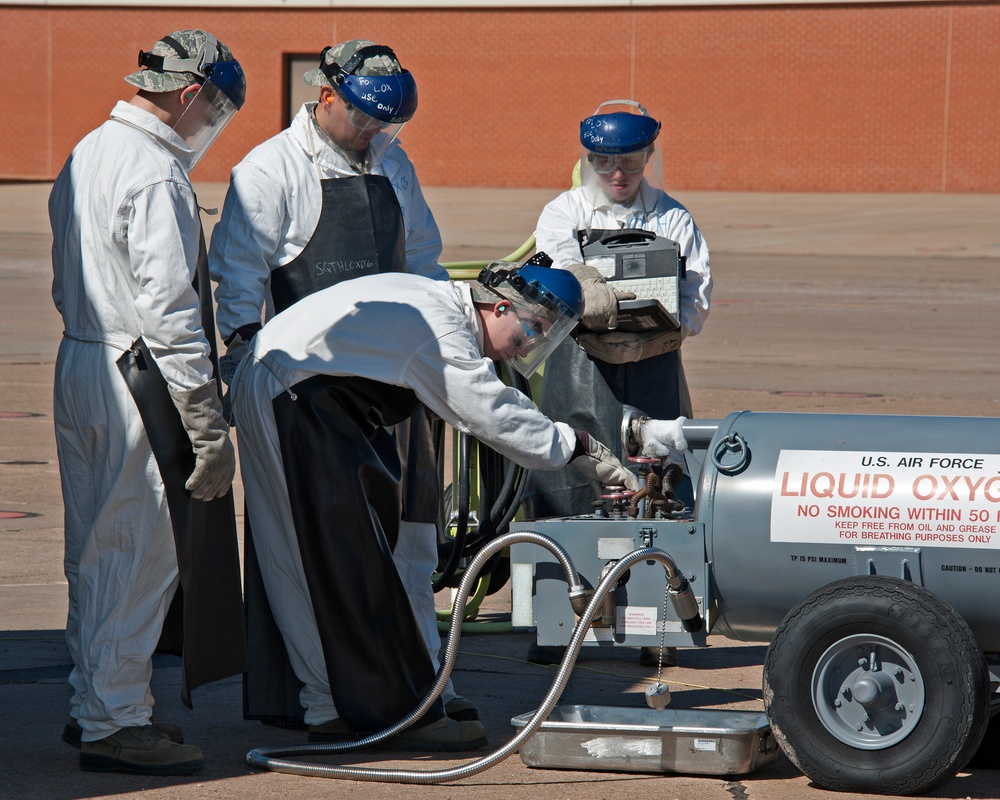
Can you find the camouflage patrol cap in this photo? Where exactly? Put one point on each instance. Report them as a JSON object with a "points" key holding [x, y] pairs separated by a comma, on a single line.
{"points": [[162, 67], [341, 53]]}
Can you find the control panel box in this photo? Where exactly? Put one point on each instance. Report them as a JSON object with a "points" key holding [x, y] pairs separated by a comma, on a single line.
{"points": [[540, 597]]}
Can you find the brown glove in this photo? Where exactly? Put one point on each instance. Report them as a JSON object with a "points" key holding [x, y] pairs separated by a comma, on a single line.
{"points": [[600, 299], [618, 347]]}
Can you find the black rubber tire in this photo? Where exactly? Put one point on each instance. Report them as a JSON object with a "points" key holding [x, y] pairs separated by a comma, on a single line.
{"points": [[950, 663], [987, 755]]}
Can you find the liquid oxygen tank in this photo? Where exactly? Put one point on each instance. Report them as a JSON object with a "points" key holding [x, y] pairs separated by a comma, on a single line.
{"points": [[792, 501]]}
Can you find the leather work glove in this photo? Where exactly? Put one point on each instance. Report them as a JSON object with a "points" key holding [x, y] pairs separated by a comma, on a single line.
{"points": [[600, 299], [237, 349], [215, 457], [598, 463], [619, 347]]}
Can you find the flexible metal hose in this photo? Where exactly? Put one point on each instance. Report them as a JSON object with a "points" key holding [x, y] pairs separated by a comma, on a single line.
{"points": [[278, 759]]}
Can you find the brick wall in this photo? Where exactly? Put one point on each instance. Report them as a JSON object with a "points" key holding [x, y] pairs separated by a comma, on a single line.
{"points": [[852, 98]]}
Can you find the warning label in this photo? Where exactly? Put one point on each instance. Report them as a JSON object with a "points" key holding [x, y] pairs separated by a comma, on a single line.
{"points": [[917, 499], [638, 620]]}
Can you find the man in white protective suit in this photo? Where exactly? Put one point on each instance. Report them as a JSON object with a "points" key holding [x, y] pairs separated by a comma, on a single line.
{"points": [[621, 178], [311, 402], [331, 198], [145, 459], [590, 380]]}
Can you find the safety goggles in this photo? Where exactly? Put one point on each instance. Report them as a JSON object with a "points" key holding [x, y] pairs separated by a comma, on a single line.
{"points": [[630, 163]]}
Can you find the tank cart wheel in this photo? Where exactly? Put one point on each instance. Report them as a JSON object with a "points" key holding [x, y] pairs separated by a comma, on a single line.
{"points": [[876, 685]]}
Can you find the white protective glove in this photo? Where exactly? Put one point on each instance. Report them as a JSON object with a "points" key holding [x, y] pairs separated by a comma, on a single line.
{"points": [[600, 299], [215, 457], [598, 463], [664, 438], [235, 352], [620, 347]]}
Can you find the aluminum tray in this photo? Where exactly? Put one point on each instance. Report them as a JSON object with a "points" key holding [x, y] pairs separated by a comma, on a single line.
{"points": [[615, 739]]}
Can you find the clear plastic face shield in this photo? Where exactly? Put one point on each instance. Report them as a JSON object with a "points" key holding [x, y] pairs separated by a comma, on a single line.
{"points": [[206, 62], [618, 152], [377, 106], [206, 114], [540, 319], [366, 134]]}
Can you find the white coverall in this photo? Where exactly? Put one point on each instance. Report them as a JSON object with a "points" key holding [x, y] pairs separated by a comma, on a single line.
{"points": [[421, 334], [272, 208], [653, 210], [126, 235], [271, 211], [590, 393]]}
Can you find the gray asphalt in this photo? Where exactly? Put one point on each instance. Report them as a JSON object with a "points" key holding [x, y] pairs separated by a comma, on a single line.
{"points": [[873, 304]]}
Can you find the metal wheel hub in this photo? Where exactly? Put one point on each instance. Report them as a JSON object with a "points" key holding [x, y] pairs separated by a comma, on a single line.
{"points": [[868, 691]]}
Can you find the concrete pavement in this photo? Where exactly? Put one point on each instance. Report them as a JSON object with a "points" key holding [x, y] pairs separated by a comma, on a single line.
{"points": [[847, 303]]}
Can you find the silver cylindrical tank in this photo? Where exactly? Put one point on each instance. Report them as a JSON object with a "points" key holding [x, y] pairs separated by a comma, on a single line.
{"points": [[791, 502]]}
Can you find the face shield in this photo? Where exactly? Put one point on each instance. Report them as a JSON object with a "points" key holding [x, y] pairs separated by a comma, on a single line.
{"points": [[367, 134], [546, 305], [377, 105], [207, 113], [618, 152]]}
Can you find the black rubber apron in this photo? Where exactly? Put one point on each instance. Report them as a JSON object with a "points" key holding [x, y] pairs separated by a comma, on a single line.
{"points": [[347, 521], [360, 231], [205, 622], [587, 393]]}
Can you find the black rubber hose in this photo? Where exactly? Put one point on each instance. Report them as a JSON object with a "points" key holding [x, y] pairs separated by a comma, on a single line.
{"points": [[462, 531], [503, 508]]}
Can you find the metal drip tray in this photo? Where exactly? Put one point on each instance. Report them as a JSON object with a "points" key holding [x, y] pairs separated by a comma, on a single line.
{"points": [[615, 739]]}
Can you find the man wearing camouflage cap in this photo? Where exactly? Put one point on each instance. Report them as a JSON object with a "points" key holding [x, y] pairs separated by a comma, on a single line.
{"points": [[145, 459], [334, 197]]}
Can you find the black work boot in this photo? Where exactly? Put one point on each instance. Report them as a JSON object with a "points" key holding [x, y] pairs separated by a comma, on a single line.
{"points": [[72, 732], [141, 751]]}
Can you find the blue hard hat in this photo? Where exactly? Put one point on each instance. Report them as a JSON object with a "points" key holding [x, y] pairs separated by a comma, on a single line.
{"points": [[538, 282], [388, 98], [544, 284], [618, 132], [229, 78]]}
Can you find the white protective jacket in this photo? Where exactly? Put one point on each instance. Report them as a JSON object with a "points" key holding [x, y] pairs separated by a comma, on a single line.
{"points": [[125, 243], [413, 332], [272, 208], [654, 210]]}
